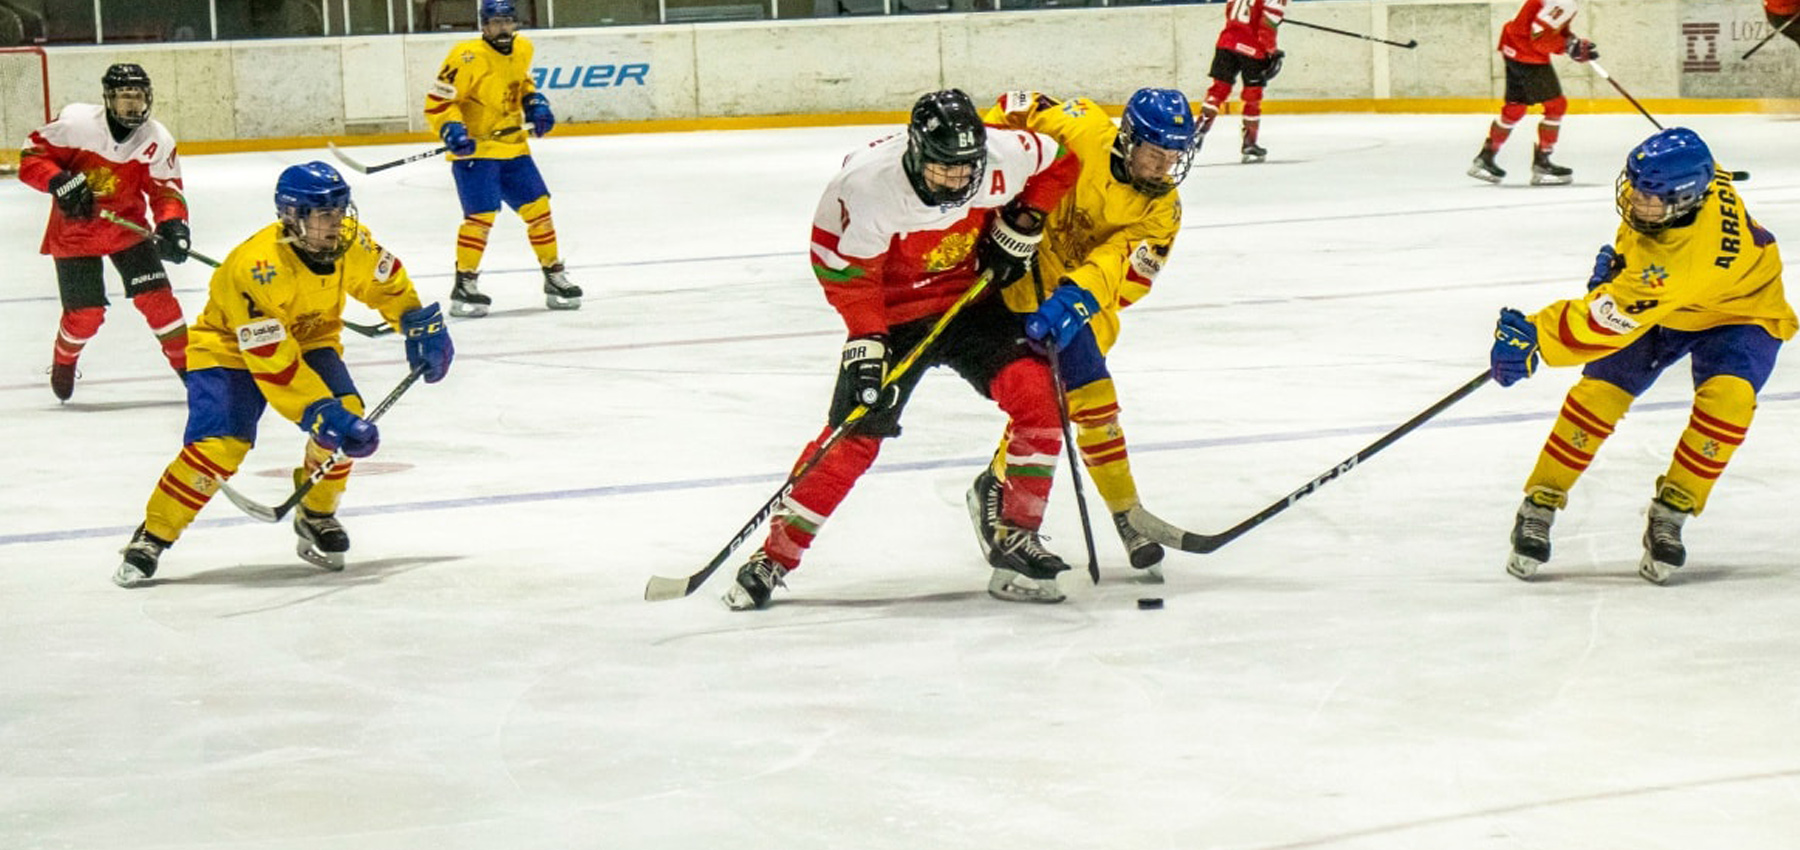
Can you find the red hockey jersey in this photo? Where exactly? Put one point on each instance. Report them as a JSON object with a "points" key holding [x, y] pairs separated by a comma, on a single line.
{"points": [[128, 178], [886, 258], [1538, 32], [1250, 26]]}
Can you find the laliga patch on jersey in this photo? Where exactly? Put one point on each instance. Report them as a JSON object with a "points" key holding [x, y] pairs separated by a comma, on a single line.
{"points": [[386, 266], [443, 90], [1146, 262], [1016, 101], [260, 333], [1607, 314]]}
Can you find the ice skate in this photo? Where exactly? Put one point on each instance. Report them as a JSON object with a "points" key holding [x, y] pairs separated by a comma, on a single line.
{"points": [[466, 299], [1024, 571], [1530, 539], [1663, 550], [141, 556], [756, 582], [1145, 554], [1254, 152], [62, 380], [1484, 167], [323, 541], [1547, 173], [559, 293], [983, 500]]}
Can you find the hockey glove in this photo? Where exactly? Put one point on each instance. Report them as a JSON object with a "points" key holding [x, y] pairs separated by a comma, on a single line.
{"points": [[1582, 50], [1607, 265], [335, 428], [1274, 65], [1010, 243], [456, 138], [864, 368], [1062, 315], [172, 240], [1515, 353], [537, 111], [428, 347], [73, 195]]}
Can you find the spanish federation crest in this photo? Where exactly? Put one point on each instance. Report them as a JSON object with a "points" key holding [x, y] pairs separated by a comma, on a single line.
{"points": [[1655, 276], [263, 272]]}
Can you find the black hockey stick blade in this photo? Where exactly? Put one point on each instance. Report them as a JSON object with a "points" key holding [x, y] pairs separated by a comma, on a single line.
{"points": [[371, 331], [265, 513], [1167, 534]]}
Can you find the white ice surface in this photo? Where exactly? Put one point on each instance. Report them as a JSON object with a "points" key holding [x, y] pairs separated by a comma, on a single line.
{"points": [[1357, 673]]}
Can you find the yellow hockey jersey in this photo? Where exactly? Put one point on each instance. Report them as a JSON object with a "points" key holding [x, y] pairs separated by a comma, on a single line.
{"points": [[481, 87], [1107, 237], [264, 308], [1723, 269]]}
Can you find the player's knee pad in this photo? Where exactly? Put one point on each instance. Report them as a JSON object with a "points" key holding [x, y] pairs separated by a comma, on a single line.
{"points": [[1510, 114], [1597, 405], [1724, 405], [83, 322], [1095, 405], [1555, 108], [536, 211], [160, 310], [1024, 391], [1218, 93], [1253, 96]]}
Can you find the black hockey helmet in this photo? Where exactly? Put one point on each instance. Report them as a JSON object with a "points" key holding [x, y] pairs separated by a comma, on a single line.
{"points": [[945, 130], [128, 78]]}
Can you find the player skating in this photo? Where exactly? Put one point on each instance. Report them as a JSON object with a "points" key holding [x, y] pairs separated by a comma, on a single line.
{"points": [[111, 159], [1103, 247], [1246, 47], [480, 103], [269, 336], [900, 235], [1538, 32], [1691, 274]]}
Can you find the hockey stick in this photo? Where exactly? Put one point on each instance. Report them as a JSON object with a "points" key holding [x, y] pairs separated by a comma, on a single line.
{"points": [[439, 151], [370, 331], [1408, 44], [1771, 36], [1062, 413], [1738, 176], [660, 588], [147, 232], [274, 514], [1188, 541]]}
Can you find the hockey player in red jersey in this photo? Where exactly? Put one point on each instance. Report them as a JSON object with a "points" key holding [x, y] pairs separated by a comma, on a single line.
{"points": [[1246, 46], [900, 234], [1781, 13], [110, 159], [1539, 31]]}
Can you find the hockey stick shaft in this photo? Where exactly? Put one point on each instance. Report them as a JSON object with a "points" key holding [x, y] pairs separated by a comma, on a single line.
{"points": [[438, 151], [151, 235], [274, 514], [1188, 541], [1060, 387], [1771, 36], [1408, 44], [660, 588], [1739, 176]]}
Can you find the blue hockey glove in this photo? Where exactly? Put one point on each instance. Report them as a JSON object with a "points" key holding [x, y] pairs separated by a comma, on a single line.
{"points": [[1607, 265], [428, 347], [456, 138], [537, 111], [1062, 315], [335, 428], [1515, 353]]}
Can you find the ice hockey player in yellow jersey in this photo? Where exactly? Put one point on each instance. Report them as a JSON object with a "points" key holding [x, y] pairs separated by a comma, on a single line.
{"points": [[269, 337], [1103, 247], [481, 104], [1690, 273]]}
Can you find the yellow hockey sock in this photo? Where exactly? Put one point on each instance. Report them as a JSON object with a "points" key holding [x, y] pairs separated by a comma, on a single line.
{"points": [[1723, 408], [1094, 411], [1589, 413], [541, 230], [189, 482], [472, 239]]}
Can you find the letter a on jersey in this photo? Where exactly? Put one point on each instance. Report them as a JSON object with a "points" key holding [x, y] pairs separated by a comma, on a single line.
{"points": [[997, 186]]}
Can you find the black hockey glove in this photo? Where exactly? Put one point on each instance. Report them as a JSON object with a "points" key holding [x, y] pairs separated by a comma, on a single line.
{"points": [[172, 240], [1582, 50], [73, 195], [1274, 65], [865, 366], [1010, 243]]}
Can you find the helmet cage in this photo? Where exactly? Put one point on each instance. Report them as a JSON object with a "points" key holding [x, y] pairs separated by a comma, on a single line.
{"points": [[301, 192], [1160, 118], [505, 16], [1673, 167], [126, 77]]}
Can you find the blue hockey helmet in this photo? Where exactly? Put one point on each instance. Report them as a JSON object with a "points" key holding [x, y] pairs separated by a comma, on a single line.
{"points": [[1665, 179], [313, 202], [945, 130], [499, 19], [1160, 118], [498, 9]]}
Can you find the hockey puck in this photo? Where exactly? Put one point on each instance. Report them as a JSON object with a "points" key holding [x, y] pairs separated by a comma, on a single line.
{"points": [[1150, 603]]}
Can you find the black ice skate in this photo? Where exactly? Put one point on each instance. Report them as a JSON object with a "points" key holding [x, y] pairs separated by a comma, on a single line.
{"points": [[466, 299], [756, 582], [1663, 551], [323, 541], [983, 500], [1547, 173], [1254, 152], [1024, 571], [1530, 539], [1484, 167], [1145, 554], [141, 556], [559, 293], [62, 380]]}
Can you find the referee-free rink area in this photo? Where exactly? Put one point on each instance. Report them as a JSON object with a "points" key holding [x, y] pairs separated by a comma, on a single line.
{"points": [[1358, 673]]}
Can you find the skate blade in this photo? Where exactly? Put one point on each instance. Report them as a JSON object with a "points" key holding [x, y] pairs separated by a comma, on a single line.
{"points": [[1547, 180], [1251, 158], [465, 310], [129, 576], [1010, 586], [1484, 175], [1521, 567], [333, 561], [738, 599], [1654, 571], [559, 302]]}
